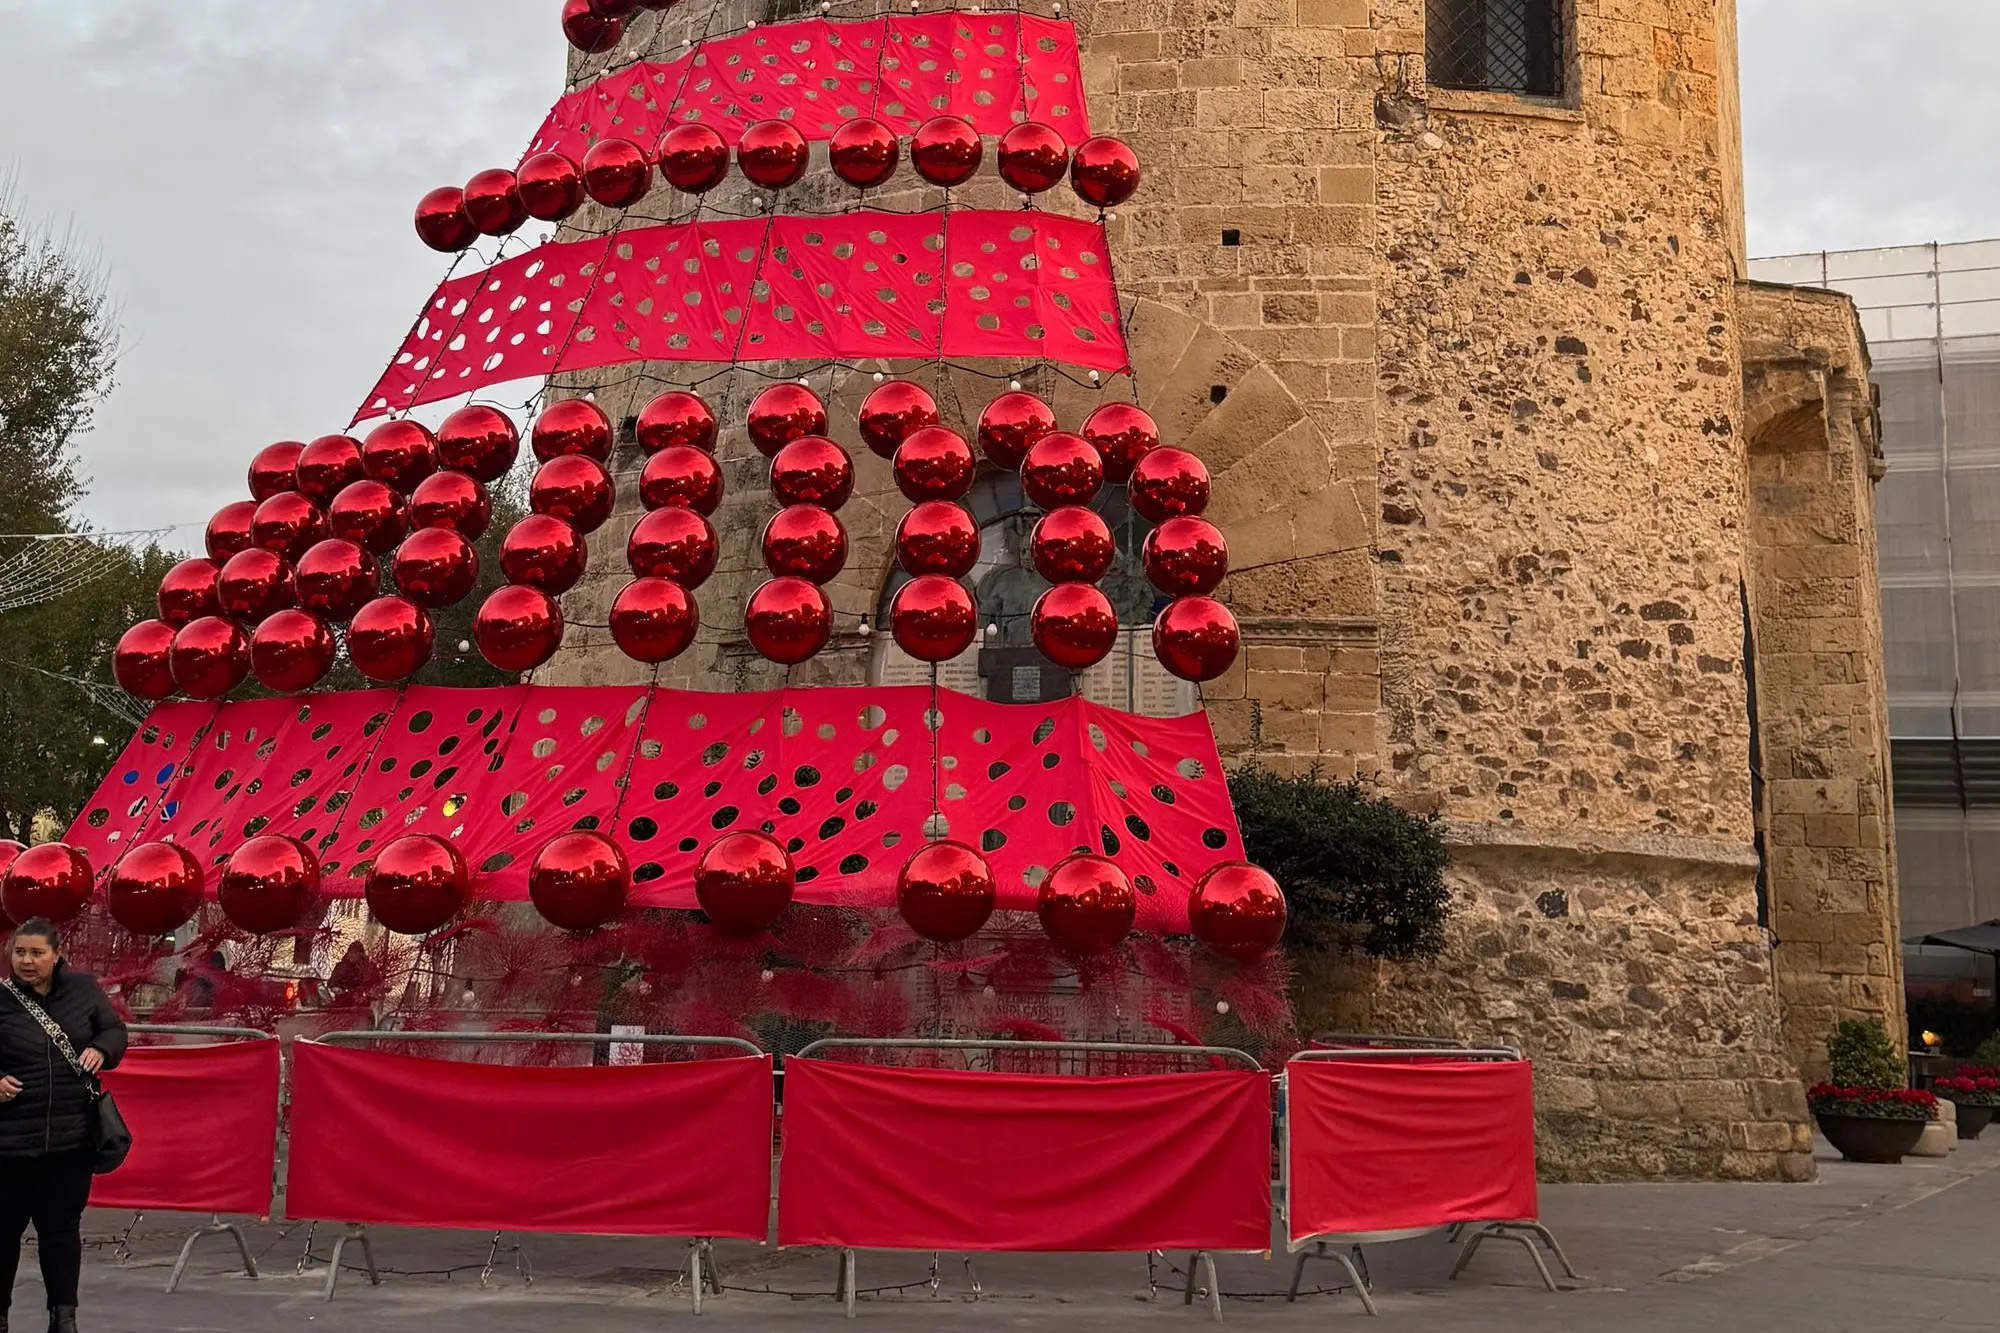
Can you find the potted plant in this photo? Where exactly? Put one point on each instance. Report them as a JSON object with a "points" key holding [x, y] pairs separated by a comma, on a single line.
{"points": [[1976, 1094], [1868, 1110]]}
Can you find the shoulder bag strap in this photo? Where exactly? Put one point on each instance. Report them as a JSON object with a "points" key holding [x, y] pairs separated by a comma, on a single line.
{"points": [[55, 1034]]}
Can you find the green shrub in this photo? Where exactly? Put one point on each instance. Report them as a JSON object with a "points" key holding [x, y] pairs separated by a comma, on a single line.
{"points": [[1862, 1056], [1988, 1052]]}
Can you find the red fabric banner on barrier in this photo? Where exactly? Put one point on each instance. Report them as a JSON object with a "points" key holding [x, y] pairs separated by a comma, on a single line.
{"points": [[1379, 1145], [643, 1150], [919, 1159], [204, 1129]]}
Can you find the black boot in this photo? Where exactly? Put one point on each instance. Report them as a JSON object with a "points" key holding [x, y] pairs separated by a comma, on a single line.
{"points": [[62, 1319]]}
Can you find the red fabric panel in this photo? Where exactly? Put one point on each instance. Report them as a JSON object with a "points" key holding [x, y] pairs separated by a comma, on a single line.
{"points": [[918, 1159], [204, 1129], [1381, 1144], [638, 1150]]}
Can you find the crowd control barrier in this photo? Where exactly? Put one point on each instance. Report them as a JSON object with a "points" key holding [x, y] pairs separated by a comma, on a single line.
{"points": [[667, 1149], [878, 1157]]}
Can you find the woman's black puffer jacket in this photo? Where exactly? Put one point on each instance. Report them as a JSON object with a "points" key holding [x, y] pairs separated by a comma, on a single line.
{"points": [[52, 1114]]}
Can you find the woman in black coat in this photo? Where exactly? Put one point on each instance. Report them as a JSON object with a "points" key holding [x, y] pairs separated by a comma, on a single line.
{"points": [[45, 1139]]}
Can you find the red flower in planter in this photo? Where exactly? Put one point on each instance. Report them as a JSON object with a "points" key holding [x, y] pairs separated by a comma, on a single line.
{"points": [[1871, 1103]]}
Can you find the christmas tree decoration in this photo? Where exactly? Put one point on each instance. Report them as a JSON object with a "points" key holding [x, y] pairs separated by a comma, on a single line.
{"points": [[253, 585], [1062, 469], [442, 222], [812, 470], [946, 150], [518, 628], [675, 544], [589, 29], [938, 537], [654, 620], [270, 883], [545, 552], [617, 173], [772, 154], [480, 441], [1033, 157], [435, 567], [863, 152], [188, 592], [572, 426], [1123, 433], [579, 881], [417, 884], [1087, 905], [1074, 625], [946, 892], [1168, 482], [934, 463], [1196, 638], [551, 186], [399, 454], [1238, 911], [574, 488], [683, 477], [229, 531], [326, 466], [287, 524], [892, 411], [52, 881], [291, 651], [744, 883], [492, 199], [275, 469], [142, 660], [788, 620], [390, 639], [783, 413], [933, 618], [1185, 556], [807, 542], [1105, 172], [1072, 545], [451, 500], [335, 579], [369, 514], [1011, 425], [678, 417], [693, 158]]}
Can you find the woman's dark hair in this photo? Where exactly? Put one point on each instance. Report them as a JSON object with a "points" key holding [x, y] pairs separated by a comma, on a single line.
{"points": [[42, 926]]}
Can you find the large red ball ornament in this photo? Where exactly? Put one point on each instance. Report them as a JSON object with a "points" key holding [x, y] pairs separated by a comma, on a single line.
{"points": [[1186, 556], [1105, 172], [579, 880], [451, 500], [805, 542], [788, 620], [946, 150], [812, 470], [369, 514], [327, 466], [52, 881], [934, 463], [436, 567], [1168, 482], [693, 158], [518, 628], [574, 488], [551, 186], [892, 411], [572, 426], [287, 525], [617, 173], [335, 579], [863, 152], [390, 639], [681, 477], [442, 222], [616, 9], [1072, 545], [142, 661], [744, 882], [188, 592], [1087, 905], [275, 469], [675, 544], [677, 417], [946, 892], [493, 202], [1196, 638], [210, 657], [253, 585], [938, 537], [479, 441], [654, 620], [291, 651], [1011, 425], [783, 413], [1074, 626], [542, 551], [1033, 157], [155, 888], [229, 531], [1238, 911], [933, 618], [772, 154], [1062, 469], [418, 883], [400, 454], [269, 884], [1123, 434], [588, 30]]}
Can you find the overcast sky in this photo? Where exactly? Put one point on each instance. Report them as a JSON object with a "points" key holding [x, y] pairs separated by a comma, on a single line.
{"points": [[248, 167]]}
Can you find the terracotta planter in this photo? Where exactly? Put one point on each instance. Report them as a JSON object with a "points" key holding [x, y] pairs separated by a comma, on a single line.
{"points": [[1869, 1139], [1972, 1119]]}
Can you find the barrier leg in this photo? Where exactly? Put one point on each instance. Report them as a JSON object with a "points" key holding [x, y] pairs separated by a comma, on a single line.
{"points": [[1356, 1268], [1548, 1238], [1525, 1242], [701, 1270], [1360, 1282], [972, 1279], [694, 1273], [359, 1234], [847, 1280], [216, 1227], [1198, 1262]]}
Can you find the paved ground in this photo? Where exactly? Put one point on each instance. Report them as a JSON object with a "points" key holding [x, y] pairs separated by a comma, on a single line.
{"points": [[1866, 1248]]}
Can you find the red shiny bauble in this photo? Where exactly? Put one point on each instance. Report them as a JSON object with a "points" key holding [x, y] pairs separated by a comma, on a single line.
{"points": [[52, 881], [493, 202], [253, 585], [675, 544], [155, 888], [451, 500], [617, 173], [335, 579], [229, 531], [588, 30], [400, 454], [654, 620], [574, 488], [1105, 172], [542, 551], [390, 639], [579, 880], [892, 411], [676, 417], [934, 463], [812, 470], [551, 186], [693, 158], [1238, 911], [933, 618], [142, 661], [275, 469], [442, 222], [572, 426], [327, 466], [1167, 482], [187, 592], [681, 477], [946, 150], [291, 651], [805, 542], [210, 657], [616, 9], [783, 413], [1074, 626], [287, 524], [1062, 469], [369, 514], [1123, 434], [772, 154], [435, 567], [1072, 545], [863, 152], [1196, 638], [1033, 157], [938, 537], [1011, 425], [946, 892], [269, 884], [1186, 555], [788, 620], [518, 628], [479, 441], [744, 882], [1087, 905], [418, 883]]}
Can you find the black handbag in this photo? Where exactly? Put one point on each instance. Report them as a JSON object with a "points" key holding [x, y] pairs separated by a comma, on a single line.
{"points": [[110, 1137]]}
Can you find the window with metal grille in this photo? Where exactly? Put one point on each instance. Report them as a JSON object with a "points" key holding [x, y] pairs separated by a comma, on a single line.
{"points": [[1501, 46]]}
